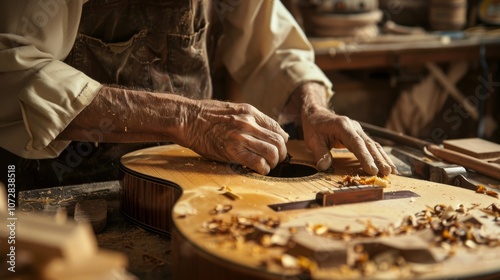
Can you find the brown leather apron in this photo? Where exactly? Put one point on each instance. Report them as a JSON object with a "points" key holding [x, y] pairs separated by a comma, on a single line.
{"points": [[154, 45]]}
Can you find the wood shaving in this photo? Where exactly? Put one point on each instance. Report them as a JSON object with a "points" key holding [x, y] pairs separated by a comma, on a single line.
{"points": [[357, 180], [494, 186], [484, 190], [232, 195], [452, 228], [229, 193], [492, 193], [481, 189], [220, 208]]}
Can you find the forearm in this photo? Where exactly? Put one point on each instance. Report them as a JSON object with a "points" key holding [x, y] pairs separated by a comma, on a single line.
{"points": [[122, 115]]}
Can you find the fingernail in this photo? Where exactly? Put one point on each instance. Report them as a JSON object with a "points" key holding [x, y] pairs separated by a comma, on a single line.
{"points": [[373, 169], [265, 170], [324, 163], [387, 169]]}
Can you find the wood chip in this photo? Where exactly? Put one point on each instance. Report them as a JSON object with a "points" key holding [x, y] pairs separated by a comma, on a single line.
{"points": [[492, 193]]}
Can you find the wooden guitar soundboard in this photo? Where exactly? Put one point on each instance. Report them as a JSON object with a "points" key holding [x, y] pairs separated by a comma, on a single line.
{"points": [[224, 226]]}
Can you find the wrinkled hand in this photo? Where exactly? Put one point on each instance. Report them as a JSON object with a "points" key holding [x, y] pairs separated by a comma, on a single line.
{"points": [[236, 133], [323, 130]]}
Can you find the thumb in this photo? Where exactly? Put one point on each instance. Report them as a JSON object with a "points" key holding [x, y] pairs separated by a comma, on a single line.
{"points": [[322, 156]]}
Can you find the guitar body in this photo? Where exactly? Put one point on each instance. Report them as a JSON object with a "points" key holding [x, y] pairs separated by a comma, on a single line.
{"points": [[174, 191]]}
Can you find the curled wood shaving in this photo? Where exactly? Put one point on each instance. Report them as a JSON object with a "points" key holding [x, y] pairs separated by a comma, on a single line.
{"points": [[493, 210]]}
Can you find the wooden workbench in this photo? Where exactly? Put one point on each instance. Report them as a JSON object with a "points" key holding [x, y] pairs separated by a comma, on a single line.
{"points": [[148, 253]]}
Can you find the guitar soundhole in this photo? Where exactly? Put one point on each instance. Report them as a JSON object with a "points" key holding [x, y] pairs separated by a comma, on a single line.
{"points": [[292, 170], [283, 171]]}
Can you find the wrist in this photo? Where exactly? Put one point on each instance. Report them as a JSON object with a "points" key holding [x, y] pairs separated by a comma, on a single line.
{"points": [[307, 98], [312, 97], [178, 118]]}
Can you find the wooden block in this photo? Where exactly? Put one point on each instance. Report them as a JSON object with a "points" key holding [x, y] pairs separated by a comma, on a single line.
{"points": [[475, 147], [46, 239], [326, 252], [59, 250], [93, 212], [101, 265], [350, 195]]}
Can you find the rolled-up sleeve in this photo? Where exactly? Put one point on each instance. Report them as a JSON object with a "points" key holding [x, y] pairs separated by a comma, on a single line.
{"points": [[267, 53], [41, 93]]}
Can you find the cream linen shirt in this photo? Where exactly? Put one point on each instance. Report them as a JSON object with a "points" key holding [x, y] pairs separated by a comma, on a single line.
{"points": [[264, 50]]}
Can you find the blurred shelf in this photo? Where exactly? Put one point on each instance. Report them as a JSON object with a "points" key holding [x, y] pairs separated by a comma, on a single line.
{"points": [[401, 50]]}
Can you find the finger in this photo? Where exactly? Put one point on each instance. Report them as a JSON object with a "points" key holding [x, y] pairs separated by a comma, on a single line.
{"points": [[268, 123], [376, 151], [394, 169], [356, 145], [322, 155], [240, 154], [258, 155], [256, 163], [323, 159], [270, 137], [378, 158], [266, 151]]}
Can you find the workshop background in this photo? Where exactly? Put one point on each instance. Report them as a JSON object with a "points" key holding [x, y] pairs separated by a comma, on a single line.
{"points": [[408, 64], [425, 68]]}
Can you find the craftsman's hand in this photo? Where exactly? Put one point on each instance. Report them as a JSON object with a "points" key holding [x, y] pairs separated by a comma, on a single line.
{"points": [[236, 133], [228, 132], [323, 130]]}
